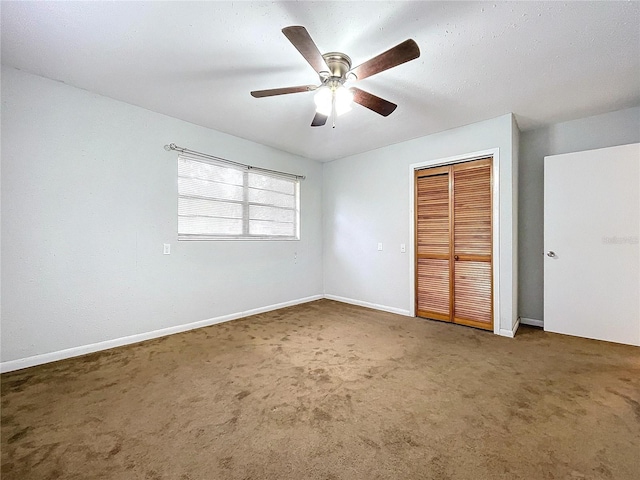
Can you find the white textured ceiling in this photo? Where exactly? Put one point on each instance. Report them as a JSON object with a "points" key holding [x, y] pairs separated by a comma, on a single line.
{"points": [[198, 61]]}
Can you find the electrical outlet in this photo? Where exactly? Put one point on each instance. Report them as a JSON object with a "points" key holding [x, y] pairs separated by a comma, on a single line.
{"points": [[379, 246], [167, 249]]}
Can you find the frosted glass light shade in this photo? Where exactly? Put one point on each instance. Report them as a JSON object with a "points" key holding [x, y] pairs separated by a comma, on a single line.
{"points": [[323, 99], [344, 99]]}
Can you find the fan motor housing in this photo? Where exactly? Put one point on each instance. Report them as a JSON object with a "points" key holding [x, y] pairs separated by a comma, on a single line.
{"points": [[339, 63]]}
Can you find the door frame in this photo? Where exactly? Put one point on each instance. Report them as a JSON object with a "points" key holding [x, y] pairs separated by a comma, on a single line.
{"points": [[495, 215]]}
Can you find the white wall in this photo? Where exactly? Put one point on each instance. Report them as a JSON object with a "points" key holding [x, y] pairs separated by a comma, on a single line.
{"points": [[366, 201], [607, 130], [89, 198]]}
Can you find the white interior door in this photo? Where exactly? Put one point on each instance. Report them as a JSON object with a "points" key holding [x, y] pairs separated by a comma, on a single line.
{"points": [[591, 230]]}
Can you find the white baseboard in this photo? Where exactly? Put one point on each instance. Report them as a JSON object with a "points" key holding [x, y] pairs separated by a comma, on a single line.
{"points": [[503, 332], [21, 363], [510, 333], [532, 321], [140, 337], [375, 306]]}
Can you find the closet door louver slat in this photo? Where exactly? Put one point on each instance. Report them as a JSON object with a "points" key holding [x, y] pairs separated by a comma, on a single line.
{"points": [[472, 301], [433, 288], [433, 215]]}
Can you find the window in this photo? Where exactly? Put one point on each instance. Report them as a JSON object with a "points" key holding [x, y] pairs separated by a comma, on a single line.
{"points": [[225, 202]]}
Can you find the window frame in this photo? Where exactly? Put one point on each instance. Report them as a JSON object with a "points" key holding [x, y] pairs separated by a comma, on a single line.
{"points": [[245, 203]]}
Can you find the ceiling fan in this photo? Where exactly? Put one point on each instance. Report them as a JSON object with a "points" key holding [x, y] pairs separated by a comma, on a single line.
{"points": [[334, 69]]}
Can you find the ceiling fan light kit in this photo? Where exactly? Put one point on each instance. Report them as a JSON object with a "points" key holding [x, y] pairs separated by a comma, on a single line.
{"points": [[332, 97]]}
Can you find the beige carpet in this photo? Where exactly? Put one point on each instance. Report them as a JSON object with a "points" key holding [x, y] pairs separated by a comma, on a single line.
{"points": [[330, 391]]}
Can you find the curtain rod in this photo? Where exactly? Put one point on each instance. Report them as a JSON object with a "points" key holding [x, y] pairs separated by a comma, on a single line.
{"points": [[173, 146]]}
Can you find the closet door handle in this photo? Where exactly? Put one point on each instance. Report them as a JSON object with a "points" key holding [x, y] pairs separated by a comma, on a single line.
{"points": [[455, 257]]}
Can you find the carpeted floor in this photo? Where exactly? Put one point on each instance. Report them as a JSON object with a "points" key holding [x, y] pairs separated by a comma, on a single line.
{"points": [[326, 391]]}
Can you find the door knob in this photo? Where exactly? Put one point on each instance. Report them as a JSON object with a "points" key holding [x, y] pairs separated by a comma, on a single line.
{"points": [[455, 257], [551, 253]]}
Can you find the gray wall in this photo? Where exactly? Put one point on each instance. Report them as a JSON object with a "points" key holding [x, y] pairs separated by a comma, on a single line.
{"points": [[366, 200], [88, 199], [515, 155], [600, 131], [89, 196]]}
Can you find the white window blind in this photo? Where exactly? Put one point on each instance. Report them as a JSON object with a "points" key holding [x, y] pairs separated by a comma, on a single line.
{"points": [[224, 202]]}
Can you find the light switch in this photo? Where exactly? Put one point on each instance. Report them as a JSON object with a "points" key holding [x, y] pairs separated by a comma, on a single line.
{"points": [[379, 246], [403, 248], [167, 249]]}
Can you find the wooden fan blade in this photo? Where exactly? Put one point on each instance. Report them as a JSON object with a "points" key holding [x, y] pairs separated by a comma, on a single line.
{"points": [[372, 102], [282, 91], [301, 39], [319, 120], [405, 51]]}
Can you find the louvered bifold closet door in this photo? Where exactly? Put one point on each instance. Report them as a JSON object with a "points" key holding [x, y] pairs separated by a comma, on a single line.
{"points": [[433, 247], [472, 249]]}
